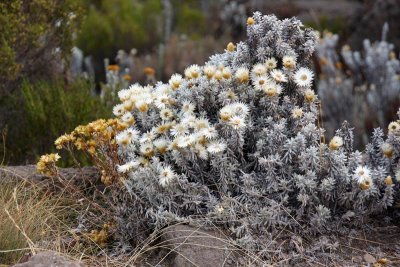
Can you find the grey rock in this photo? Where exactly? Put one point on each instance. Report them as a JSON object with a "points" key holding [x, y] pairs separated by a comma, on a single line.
{"points": [[49, 259], [189, 246]]}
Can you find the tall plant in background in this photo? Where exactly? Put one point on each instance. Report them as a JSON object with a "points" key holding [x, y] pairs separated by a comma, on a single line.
{"points": [[237, 143], [35, 35], [365, 83]]}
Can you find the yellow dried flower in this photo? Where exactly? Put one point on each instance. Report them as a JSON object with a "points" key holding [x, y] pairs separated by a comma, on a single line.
{"points": [[47, 164], [230, 47], [250, 21], [388, 180]]}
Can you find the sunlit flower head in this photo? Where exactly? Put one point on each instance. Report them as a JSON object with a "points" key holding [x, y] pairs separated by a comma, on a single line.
{"points": [[271, 63], [193, 72], [128, 118], [148, 137], [361, 174], [260, 81], [166, 114], [289, 62], [216, 147], [124, 94], [309, 95], [336, 143], [201, 124], [209, 133], [272, 89], [130, 165], [226, 73], [242, 75], [297, 113], [303, 77], [240, 108], [162, 101], [186, 140], [119, 110], [161, 145], [394, 127], [167, 176], [237, 122], [387, 149], [179, 129], [187, 107], [209, 71], [259, 70], [147, 149], [278, 76], [175, 81]]}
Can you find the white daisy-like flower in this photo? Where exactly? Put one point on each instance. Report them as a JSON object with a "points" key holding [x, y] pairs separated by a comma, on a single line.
{"points": [[187, 107], [201, 124], [209, 71], [259, 70], [128, 118], [209, 133], [162, 88], [226, 113], [128, 105], [394, 127], [175, 81], [387, 149], [186, 140], [271, 63], [148, 137], [336, 143], [135, 89], [226, 73], [133, 134], [218, 75], [303, 77], [162, 101], [124, 94], [147, 149], [189, 120], [240, 108], [278, 76], [123, 138], [309, 95], [201, 151], [161, 145], [128, 166], [289, 62], [297, 113], [242, 74], [260, 81], [119, 110], [361, 174], [237, 122], [216, 147], [167, 176], [192, 72], [179, 129], [272, 89], [166, 114], [142, 106]]}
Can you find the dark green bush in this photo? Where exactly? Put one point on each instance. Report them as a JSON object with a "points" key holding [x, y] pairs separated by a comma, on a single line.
{"points": [[42, 111]]}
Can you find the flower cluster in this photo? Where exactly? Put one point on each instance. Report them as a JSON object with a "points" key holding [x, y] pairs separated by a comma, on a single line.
{"points": [[47, 164]]}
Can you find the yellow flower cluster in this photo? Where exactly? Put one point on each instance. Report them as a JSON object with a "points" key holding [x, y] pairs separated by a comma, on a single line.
{"points": [[100, 237], [47, 164], [90, 137]]}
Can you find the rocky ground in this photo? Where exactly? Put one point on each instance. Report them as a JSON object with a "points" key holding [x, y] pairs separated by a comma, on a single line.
{"points": [[184, 245]]}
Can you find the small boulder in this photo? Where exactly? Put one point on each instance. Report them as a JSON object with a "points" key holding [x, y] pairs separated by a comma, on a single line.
{"points": [[49, 259], [189, 246]]}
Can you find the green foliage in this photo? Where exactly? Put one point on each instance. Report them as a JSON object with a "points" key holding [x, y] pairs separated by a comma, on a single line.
{"points": [[46, 111], [120, 24], [30, 33], [190, 19], [335, 25]]}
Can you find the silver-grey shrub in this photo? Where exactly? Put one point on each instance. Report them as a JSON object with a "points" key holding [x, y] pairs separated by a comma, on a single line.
{"points": [[237, 143], [366, 84]]}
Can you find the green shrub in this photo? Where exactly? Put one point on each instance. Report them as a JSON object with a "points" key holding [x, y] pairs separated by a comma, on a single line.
{"points": [[47, 109], [120, 24]]}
